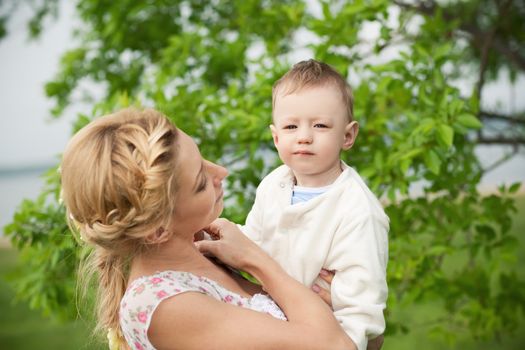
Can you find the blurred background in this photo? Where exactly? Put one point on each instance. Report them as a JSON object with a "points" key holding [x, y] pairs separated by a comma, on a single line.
{"points": [[31, 140]]}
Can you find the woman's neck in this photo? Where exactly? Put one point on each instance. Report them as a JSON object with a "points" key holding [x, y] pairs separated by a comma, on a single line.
{"points": [[174, 254], [180, 255]]}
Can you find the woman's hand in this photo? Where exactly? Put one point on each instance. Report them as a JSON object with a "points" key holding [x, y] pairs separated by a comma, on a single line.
{"points": [[327, 276], [376, 343], [229, 244]]}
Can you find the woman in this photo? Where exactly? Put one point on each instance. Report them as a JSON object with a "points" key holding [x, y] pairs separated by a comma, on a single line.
{"points": [[137, 188]]}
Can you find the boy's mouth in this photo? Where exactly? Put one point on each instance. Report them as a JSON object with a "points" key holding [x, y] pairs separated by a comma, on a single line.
{"points": [[303, 153]]}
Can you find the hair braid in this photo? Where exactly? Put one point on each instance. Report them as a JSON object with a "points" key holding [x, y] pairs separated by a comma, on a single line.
{"points": [[118, 186]]}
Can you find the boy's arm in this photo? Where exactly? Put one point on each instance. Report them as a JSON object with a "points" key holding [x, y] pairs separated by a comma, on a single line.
{"points": [[324, 294], [253, 225], [359, 255]]}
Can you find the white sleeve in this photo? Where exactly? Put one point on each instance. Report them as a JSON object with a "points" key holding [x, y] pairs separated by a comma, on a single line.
{"points": [[359, 255]]}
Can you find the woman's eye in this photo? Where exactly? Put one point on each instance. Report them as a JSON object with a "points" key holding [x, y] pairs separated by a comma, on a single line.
{"points": [[202, 185]]}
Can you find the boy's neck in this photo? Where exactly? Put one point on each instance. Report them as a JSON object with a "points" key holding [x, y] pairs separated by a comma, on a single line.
{"points": [[318, 180]]}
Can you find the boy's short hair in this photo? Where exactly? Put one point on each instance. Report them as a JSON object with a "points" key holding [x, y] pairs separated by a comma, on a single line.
{"points": [[312, 73]]}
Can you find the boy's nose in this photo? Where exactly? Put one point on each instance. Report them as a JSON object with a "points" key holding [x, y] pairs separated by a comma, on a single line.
{"points": [[304, 136]]}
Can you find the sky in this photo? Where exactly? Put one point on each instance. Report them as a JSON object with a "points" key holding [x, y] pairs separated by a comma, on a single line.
{"points": [[29, 138]]}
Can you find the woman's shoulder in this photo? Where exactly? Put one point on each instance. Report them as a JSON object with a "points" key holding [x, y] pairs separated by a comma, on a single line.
{"points": [[146, 291], [144, 295], [177, 281]]}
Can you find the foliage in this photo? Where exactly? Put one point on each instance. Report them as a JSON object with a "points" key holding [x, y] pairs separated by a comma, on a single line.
{"points": [[41, 234], [210, 65]]}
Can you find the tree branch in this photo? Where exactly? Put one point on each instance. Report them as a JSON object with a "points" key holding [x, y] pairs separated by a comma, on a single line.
{"points": [[426, 8], [513, 119], [485, 49], [512, 55], [500, 161], [502, 47], [501, 140], [478, 36]]}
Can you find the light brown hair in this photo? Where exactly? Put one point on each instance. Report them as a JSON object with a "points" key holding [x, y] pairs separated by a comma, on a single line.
{"points": [[312, 73], [119, 185]]}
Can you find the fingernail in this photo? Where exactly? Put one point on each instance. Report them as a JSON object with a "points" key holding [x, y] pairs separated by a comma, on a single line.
{"points": [[316, 288], [324, 272]]}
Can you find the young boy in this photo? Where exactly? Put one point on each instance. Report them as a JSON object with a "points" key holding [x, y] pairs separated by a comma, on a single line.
{"points": [[315, 212]]}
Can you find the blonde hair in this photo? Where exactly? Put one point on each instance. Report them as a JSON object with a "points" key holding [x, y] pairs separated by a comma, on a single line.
{"points": [[118, 186], [312, 73]]}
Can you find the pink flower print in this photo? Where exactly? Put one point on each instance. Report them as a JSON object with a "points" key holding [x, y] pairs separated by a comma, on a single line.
{"points": [[142, 316], [156, 280], [203, 289], [239, 303], [138, 346], [161, 294], [228, 298], [140, 288]]}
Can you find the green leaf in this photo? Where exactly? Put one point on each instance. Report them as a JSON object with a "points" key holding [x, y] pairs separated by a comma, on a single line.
{"points": [[412, 153], [515, 187], [404, 165], [469, 121], [249, 277], [445, 134], [433, 162]]}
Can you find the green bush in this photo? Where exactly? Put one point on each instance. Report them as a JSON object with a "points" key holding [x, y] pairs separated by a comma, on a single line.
{"points": [[210, 65]]}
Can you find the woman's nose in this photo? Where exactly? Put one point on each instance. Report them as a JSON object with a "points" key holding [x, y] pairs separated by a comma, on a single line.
{"points": [[218, 172]]}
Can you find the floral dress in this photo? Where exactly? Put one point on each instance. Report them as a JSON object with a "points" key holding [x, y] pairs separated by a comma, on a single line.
{"points": [[144, 295]]}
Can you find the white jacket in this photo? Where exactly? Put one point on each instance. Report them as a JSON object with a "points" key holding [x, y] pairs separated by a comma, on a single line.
{"points": [[344, 229]]}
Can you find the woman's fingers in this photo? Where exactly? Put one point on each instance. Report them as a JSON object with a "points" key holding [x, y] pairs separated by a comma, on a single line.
{"points": [[199, 236], [229, 244], [326, 275], [376, 343], [323, 293], [206, 247]]}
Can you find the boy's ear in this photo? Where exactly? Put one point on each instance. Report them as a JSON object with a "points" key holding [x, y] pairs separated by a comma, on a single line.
{"points": [[351, 131], [159, 236], [274, 134]]}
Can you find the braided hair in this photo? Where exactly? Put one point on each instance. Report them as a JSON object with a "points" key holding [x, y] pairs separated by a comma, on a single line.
{"points": [[118, 185]]}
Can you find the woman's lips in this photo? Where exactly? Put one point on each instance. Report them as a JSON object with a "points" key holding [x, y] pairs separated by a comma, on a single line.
{"points": [[219, 197]]}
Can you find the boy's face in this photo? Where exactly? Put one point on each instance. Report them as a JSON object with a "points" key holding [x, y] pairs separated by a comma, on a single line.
{"points": [[310, 129]]}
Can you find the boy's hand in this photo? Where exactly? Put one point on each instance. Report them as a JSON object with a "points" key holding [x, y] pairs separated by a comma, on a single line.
{"points": [[327, 276]]}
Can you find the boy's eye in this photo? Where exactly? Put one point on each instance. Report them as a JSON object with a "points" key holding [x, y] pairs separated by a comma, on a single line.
{"points": [[319, 125], [290, 127]]}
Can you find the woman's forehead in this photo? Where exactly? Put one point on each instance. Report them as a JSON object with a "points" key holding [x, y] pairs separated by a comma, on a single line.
{"points": [[189, 156]]}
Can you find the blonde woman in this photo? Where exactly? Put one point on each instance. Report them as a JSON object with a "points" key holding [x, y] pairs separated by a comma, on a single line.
{"points": [[137, 189]]}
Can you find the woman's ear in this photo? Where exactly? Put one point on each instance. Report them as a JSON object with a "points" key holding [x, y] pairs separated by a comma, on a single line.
{"points": [[351, 131], [274, 134], [159, 236]]}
